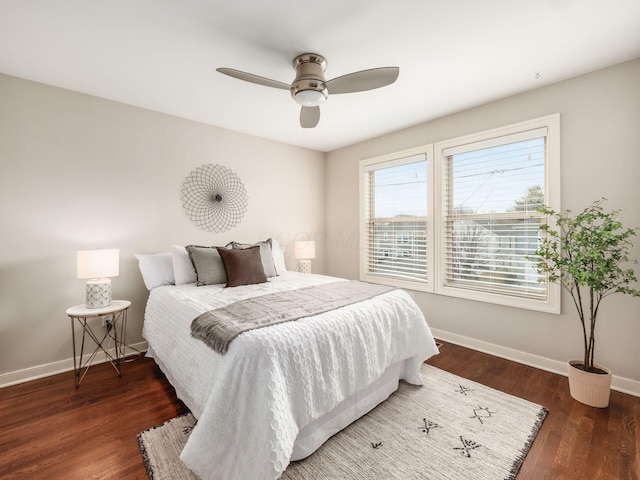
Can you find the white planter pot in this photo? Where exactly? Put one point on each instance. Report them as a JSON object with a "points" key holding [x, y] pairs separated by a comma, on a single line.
{"points": [[592, 389]]}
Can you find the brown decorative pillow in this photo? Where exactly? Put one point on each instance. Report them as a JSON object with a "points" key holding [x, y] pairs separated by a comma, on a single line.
{"points": [[243, 266]]}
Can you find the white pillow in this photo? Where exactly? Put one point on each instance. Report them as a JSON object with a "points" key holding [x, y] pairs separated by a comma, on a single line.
{"points": [[156, 269], [278, 256], [183, 270]]}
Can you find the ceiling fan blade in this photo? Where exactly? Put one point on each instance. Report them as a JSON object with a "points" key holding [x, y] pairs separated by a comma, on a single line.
{"points": [[363, 80], [250, 77], [309, 117]]}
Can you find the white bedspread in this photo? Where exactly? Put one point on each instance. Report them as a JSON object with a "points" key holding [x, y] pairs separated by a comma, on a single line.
{"points": [[252, 402]]}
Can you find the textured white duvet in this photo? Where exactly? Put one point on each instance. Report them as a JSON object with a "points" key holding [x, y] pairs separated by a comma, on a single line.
{"points": [[252, 402]]}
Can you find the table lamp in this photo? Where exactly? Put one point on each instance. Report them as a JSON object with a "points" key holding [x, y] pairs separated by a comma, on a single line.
{"points": [[304, 251], [97, 265]]}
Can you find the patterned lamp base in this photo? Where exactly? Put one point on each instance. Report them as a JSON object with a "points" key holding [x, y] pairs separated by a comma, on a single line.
{"points": [[304, 266], [98, 293]]}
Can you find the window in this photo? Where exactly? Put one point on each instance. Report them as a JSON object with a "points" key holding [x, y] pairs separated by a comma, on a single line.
{"points": [[491, 184], [394, 219], [491, 190], [483, 190]]}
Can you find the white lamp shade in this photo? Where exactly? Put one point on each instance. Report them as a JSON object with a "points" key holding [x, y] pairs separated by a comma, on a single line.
{"points": [[305, 249], [98, 263]]}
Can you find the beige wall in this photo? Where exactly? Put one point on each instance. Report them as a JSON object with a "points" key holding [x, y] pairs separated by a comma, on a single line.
{"points": [[80, 172], [600, 156]]}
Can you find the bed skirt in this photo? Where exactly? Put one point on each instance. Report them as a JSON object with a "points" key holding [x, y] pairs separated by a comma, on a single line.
{"points": [[311, 437]]}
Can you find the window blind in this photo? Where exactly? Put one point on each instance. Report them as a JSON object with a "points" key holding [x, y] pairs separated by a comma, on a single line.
{"points": [[491, 190], [396, 219]]}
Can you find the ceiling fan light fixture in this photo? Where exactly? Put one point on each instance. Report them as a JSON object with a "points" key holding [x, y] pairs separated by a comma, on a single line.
{"points": [[308, 89], [310, 98]]}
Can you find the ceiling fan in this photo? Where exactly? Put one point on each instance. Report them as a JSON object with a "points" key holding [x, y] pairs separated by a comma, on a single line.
{"points": [[310, 89]]}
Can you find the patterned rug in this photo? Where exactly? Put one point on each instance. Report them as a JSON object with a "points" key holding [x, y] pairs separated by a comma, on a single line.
{"points": [[449, 429]]}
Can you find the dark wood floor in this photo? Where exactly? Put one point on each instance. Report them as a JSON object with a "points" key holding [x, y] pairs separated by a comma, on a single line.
{"points": [[49, 430]]}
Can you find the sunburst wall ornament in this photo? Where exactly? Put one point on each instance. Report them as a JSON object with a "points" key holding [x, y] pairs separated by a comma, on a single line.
{"points": [[214, 198]]}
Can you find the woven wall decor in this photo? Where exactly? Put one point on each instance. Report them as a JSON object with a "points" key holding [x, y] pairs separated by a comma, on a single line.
{"points": [[214, 198]]}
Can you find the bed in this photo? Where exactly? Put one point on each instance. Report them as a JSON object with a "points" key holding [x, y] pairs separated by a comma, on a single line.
{"points": [[279, 392]]}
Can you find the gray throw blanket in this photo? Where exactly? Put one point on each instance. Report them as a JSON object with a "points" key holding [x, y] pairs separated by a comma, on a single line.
{"points": [[217, 328]]}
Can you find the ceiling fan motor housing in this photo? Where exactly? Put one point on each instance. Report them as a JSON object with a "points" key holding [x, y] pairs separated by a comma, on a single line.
{"points": [[308, 89]]}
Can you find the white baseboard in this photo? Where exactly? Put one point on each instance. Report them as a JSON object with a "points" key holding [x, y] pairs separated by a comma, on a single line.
{"points": [[620, 384], [48, 369]]}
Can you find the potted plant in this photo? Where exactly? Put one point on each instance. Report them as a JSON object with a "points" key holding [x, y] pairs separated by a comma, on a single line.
{"points": [[586, 254]]}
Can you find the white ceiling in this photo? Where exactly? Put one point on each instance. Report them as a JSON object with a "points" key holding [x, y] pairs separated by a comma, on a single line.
{"points": [[452, 54]]}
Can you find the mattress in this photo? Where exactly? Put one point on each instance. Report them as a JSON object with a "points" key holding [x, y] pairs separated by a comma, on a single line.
{"points": [[279, 392]]}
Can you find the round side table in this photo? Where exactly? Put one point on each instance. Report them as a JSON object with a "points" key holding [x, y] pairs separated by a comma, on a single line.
{"points": [[118, 313]]}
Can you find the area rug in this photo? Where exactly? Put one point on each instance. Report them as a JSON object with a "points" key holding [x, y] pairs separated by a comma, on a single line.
{"points": [[448, 429]]}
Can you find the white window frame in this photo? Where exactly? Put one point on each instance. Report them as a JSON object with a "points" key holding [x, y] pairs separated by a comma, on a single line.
{"points": [[436, 241], [552, 199], [386, 161]]}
